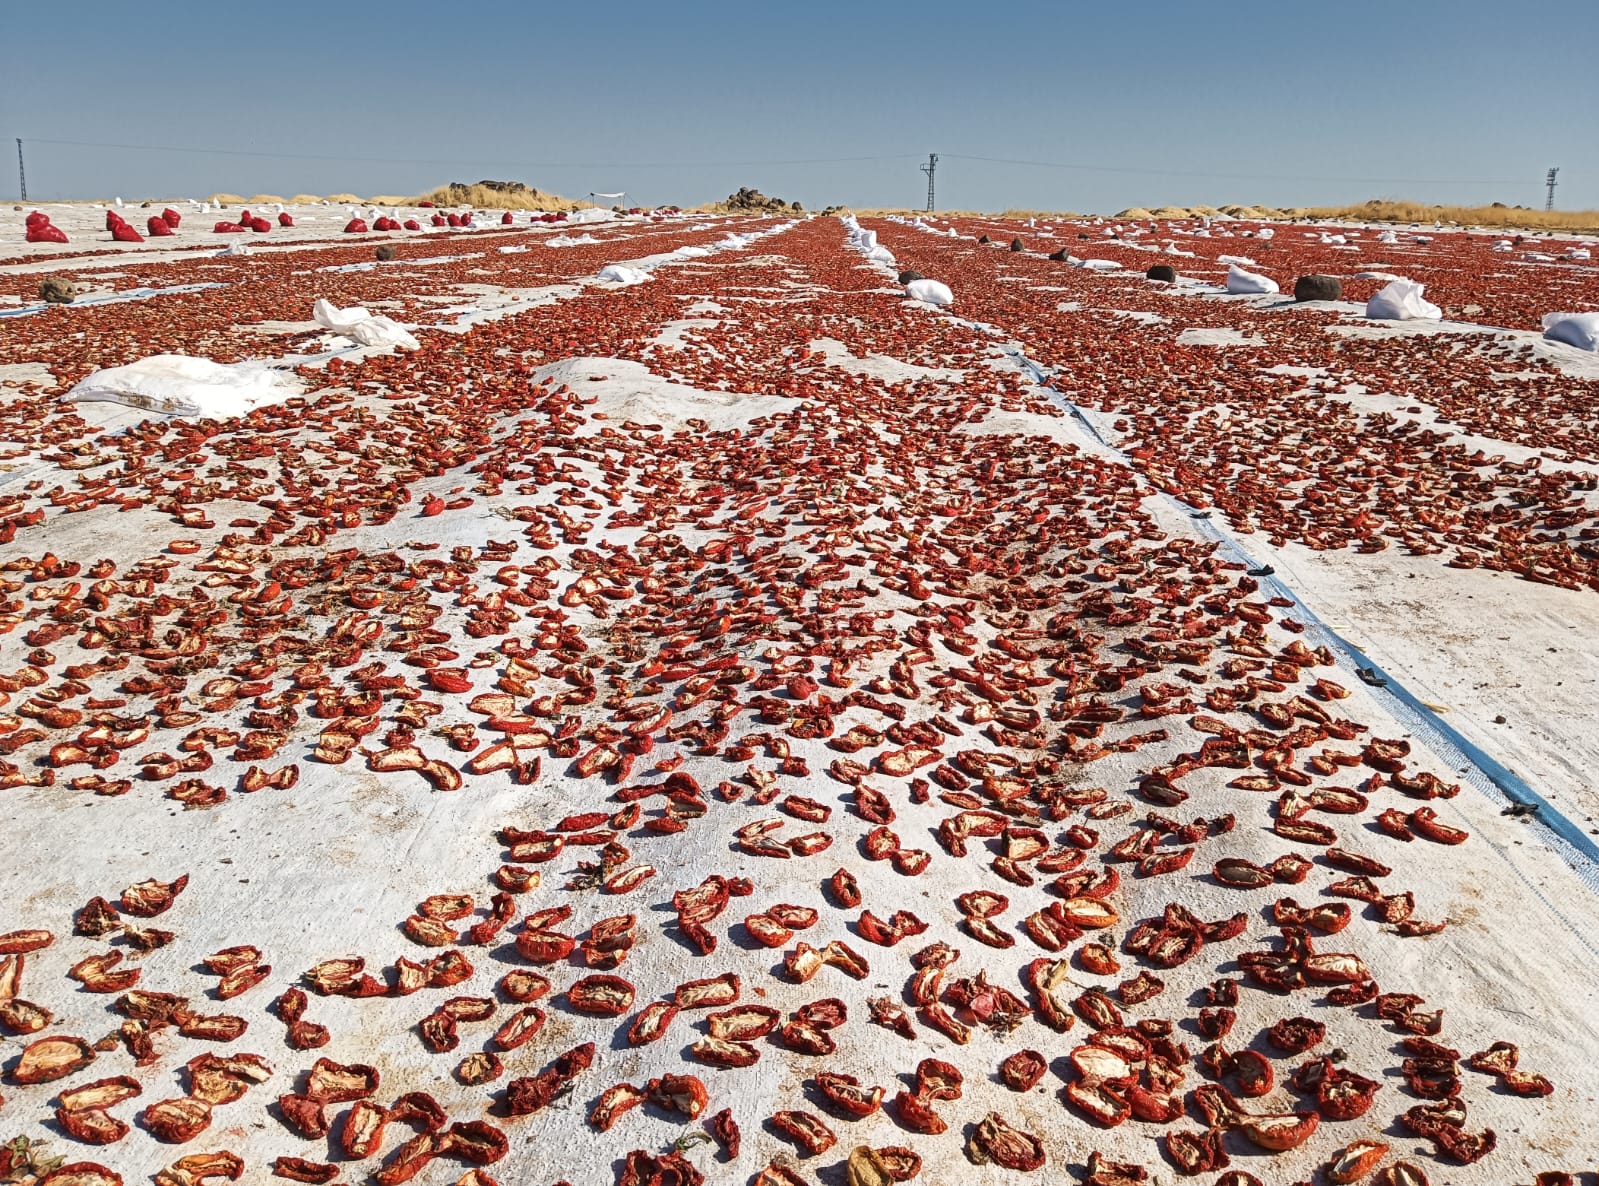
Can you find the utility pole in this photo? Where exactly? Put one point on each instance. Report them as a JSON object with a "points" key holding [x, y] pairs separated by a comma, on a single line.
{"points": [[929, 168], [22, 173], [1549, 180]]}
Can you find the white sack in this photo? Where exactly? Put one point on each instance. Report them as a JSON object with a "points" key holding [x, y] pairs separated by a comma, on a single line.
{"points": [[360, 326], [1240, 281], [1402, 301], [1574, 329], [880, 255], [177, 385], [1579, 253], [622, 274], [1096, 265], [930, 292]]}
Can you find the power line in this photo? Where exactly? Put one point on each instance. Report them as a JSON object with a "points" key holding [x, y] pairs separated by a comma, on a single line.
{"points": [[305, 156], [930, 168], [1227, 176], [1076, 166]]}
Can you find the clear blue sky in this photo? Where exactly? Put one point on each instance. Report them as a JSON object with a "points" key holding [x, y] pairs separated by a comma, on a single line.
{"points": [[1299, 104]]}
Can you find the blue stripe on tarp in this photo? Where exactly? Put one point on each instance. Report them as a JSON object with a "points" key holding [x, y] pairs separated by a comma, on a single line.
{"points": [[1507, 781]]}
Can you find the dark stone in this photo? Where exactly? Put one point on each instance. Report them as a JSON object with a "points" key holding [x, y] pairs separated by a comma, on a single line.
{"points": [[1016, 245], [1061, 256], [753, 201], [1083, 235], [386, 253], [1162, 272], [910, 274], [1318, 288], [983, 239], [55, 291]]}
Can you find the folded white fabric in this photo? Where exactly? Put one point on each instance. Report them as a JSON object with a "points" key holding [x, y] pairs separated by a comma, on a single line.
{"points": [[177, 385], [360, 326]]}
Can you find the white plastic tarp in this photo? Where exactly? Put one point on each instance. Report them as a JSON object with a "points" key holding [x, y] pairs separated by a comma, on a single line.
{"points": [[1401, 300], [362, 327], [930, 292], [1240, 281], [1574, 329], [622, 274], [177, 385]]}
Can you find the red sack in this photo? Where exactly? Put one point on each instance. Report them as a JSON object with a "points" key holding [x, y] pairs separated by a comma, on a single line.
{"points": [[412, 224], [505, 219], [112, 218], [425, 205], [356, 226], [123, 233], [285, 220], [171, 217], [260, 225], [454, 219], [226, 228], [246, 218], [44, 232], [438, 220], [36, 219], [158, 226]]}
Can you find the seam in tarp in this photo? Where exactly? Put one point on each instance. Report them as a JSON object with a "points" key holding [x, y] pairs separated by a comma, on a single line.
{"points": [[1574, 844], [131, 294]]}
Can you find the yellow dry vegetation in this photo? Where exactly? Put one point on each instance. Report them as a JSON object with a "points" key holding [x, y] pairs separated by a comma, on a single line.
{"points": [[1508, 217], [258, 199], [225, 199], [1387, 211], [481, 197], [908, 212], [342, 198]]}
